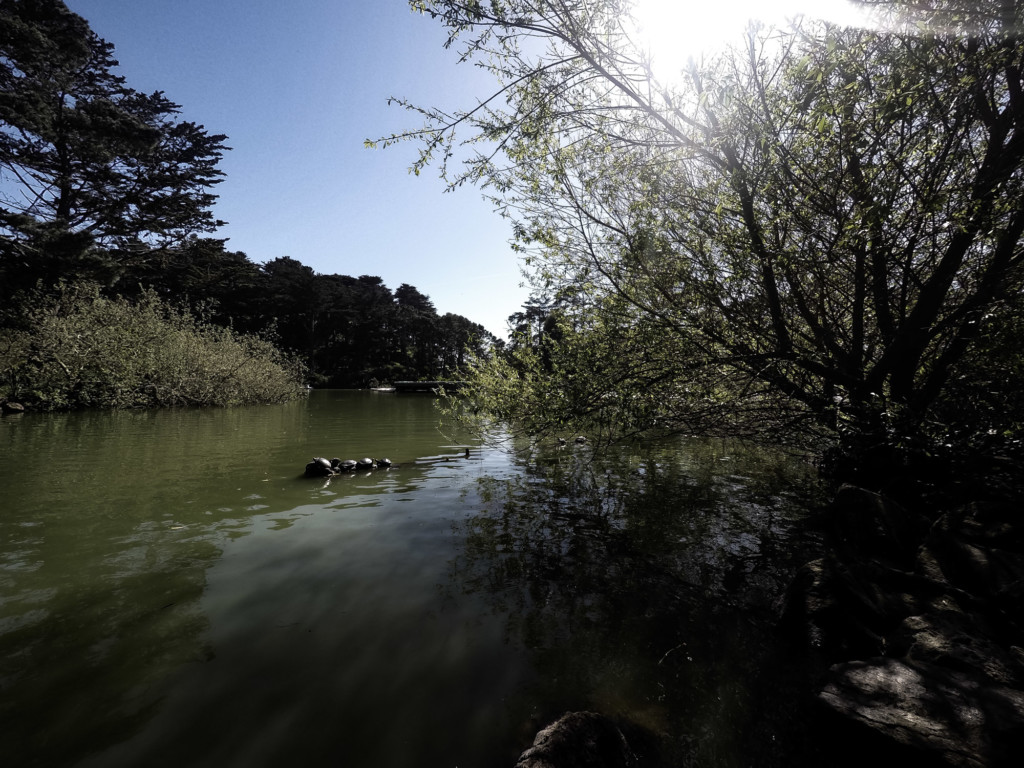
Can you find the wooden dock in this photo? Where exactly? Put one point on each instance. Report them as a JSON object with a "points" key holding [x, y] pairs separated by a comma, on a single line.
{"points": [[427, 386]]}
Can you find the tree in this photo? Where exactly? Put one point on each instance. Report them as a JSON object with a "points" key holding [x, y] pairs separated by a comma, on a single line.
{"points": [[802, 238], [93, 174], [223, 286], [408, 297], [459, 339], [415, 331]]}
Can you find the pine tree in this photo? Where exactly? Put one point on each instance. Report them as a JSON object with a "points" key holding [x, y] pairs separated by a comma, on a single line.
{"points": [[93, 175]]}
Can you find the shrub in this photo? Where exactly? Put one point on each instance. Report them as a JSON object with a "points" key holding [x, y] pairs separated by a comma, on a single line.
{"points": [[79, 349]]}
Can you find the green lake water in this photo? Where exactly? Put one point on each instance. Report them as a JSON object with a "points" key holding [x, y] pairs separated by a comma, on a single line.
{"points": [[174, 593]]}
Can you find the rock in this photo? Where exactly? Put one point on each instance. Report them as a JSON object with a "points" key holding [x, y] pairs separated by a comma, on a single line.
{"points": [[963, 719], [813, 616], [979, 549], [962, 643], [8, 407], [869, 525], [944, 668], [584, 740], [847, 609]]}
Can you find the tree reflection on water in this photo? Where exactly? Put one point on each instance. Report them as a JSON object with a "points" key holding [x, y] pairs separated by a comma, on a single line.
{"points": [[644, 584]]}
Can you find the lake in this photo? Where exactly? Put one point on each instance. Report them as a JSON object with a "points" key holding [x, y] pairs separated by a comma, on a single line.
{"points": [[174, 592]]}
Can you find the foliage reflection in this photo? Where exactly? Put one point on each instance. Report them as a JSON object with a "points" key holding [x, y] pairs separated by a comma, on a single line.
{"points": [[643, 584]]}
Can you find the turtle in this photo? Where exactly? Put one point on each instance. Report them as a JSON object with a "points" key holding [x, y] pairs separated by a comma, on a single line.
{"points": [[385, 463], [348, 465], [318, 467], [366, 463]]}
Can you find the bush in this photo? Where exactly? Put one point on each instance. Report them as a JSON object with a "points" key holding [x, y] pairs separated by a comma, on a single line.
{"points": [[82, 350]]}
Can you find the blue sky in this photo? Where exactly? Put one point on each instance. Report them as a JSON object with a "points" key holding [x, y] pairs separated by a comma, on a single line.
{"points": [[297, 87]]}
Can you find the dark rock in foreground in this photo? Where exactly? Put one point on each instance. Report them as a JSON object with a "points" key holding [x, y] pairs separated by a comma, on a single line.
{"points": [[922, 646], [962, 719], [588, 740]]}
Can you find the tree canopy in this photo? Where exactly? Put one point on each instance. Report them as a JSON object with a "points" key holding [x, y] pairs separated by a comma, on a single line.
{"points": [[93, 174], [105, 196], [807, 237]]}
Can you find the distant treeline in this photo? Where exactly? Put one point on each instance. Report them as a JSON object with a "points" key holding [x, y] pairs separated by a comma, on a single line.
{"points": [[343, 331], [349, 331]]}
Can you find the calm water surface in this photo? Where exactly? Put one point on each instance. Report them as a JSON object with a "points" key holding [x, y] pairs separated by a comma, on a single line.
{"points": [[173, 592]]}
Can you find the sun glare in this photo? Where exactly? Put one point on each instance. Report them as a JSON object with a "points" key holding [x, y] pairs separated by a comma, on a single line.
{"points": [[675, 31]]}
